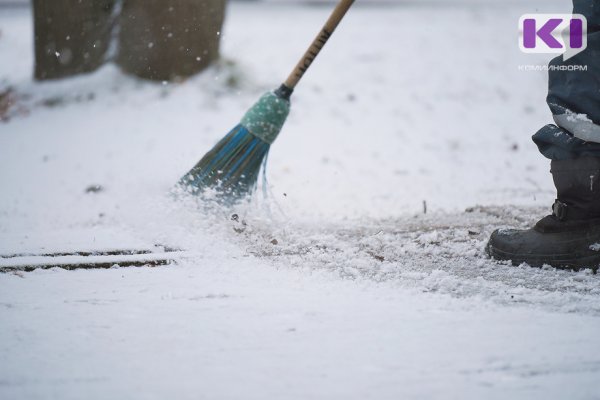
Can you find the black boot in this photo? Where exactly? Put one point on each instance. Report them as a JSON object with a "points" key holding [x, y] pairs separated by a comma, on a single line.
{"points": [[570, 237]]}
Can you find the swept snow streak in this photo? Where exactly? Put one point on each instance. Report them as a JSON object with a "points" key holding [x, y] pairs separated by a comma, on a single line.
{"points": [[441, 253]]}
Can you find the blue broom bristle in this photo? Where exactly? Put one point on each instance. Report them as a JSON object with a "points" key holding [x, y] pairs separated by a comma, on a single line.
{"points": [[231, 167]]}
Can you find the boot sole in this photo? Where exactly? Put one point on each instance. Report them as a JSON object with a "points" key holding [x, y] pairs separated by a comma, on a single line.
{"points": [[557, 261]]}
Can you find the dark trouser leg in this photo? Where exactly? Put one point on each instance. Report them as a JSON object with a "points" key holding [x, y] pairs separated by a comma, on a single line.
{"points": [[574, 97], [570, 236]]}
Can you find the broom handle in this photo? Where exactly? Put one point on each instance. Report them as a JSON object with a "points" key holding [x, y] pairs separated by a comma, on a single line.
{"points": [[319, 42]]}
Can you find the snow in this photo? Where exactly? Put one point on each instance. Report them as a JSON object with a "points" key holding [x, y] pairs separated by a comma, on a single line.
{"points": [[335, 286]]}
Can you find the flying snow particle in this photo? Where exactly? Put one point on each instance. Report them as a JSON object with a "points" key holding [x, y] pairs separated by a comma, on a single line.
{"points": [[65, 56]]}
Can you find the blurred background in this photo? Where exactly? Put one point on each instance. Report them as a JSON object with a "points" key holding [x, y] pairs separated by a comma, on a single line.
{"points": [[411, 103]]}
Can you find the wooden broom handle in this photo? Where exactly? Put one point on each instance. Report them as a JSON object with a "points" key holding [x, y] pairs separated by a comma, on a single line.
{"points": [[319, 42]]}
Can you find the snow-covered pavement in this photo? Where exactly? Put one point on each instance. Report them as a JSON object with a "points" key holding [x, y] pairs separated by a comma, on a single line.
{"points": [[336, 286], [243, 329]]}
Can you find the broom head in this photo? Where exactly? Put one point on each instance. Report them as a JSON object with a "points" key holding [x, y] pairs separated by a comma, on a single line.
{"points": [[232, 166]]}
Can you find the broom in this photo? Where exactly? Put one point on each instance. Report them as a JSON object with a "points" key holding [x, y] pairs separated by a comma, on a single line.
{"points": [[232, 166]]}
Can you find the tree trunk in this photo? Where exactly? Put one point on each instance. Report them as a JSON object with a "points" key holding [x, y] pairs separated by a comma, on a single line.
{"points": [[169, 39], [71, 36]]}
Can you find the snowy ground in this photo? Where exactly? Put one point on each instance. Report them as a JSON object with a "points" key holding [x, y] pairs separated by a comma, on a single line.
{"points": [[363, 296]]}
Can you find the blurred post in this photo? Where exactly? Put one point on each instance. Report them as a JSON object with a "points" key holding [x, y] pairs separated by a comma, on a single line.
{"points": [[169, 39], [71, 36]]}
